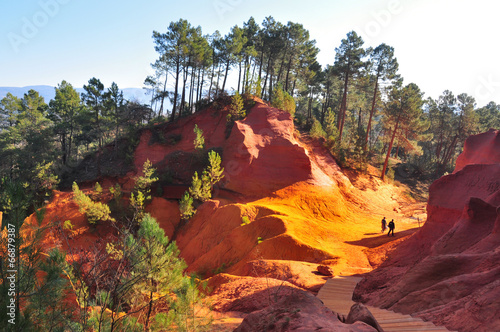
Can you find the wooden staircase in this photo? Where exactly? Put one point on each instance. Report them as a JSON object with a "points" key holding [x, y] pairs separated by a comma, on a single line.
{"points": [[336, 294]]}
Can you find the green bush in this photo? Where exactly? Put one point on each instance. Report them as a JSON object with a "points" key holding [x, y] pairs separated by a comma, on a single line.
{"points": [[200, 187], [186, 206], [94, 211], [317, 130], [68, 225], [199, 141], [236, 110], [244, 221]]}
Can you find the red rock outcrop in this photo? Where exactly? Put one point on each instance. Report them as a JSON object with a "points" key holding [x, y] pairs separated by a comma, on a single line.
{"points": [[275, 305], [480, 149], [448, 272]]}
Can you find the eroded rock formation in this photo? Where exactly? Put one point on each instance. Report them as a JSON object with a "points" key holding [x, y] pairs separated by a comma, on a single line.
{"points": [[448, 272]]}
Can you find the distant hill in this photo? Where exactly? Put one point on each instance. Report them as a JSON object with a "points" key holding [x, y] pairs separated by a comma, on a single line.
{"points": [[48, 92]]}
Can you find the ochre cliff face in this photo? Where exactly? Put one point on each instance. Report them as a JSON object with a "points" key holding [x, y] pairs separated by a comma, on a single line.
{"points": [[480, 149], [260, 153], [448, 272]]}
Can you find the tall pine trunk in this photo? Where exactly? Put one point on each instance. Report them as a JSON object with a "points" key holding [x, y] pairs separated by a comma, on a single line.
{"points": [[176, 95], [160, 112], [225, 76], [372, 111], [239, 77], [343, 106], [389, 149]]}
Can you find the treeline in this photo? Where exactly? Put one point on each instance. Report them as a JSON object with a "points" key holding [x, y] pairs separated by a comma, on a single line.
{"points": [[195, 67], [34, 132], [359, 103], [363, 109]]}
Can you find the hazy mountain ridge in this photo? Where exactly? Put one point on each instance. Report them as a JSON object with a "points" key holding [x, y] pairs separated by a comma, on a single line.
{"points": [[48, 92]]}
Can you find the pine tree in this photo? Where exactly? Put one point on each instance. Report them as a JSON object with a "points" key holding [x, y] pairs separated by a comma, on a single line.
{"points": [[199, 141], [200, 187], [186, 206], [214, 171], [403, 114], [94, 211], [348, 63], [157, 265], [385, 68], [236, 110]]}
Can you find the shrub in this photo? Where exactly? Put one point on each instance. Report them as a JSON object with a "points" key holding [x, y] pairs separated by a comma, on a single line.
{"points": [[94, 211], [44, 180], [236, 110], [199, 141], [244, 221], [116, 191], [317, 130], [283, 100], [214, 170], [143, 183], [68, 225], [186, 206], [200, 188]]}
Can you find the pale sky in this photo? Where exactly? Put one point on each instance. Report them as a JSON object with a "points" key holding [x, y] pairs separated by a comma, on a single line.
{"points": [[440, 44]]}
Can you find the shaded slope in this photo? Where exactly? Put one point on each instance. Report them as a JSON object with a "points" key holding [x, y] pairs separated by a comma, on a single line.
{"points": [[448, 272]]}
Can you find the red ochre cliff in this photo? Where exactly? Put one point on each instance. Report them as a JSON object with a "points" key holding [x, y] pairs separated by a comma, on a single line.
{"points": [[448, 272]]}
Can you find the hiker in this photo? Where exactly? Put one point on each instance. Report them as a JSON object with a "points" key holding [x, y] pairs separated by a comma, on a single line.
{"points": [[391, 228], [384, 224]]}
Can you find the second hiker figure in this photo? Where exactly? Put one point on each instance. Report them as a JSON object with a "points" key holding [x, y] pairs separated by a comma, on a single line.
{"points": [[384, 224], [391, 227]]}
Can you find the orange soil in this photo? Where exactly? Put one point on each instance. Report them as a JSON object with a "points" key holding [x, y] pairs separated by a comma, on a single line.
{"points": [[301, 206]]}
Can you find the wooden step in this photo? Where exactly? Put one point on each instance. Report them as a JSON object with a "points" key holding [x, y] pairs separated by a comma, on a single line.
{"points": [[336, 294]]}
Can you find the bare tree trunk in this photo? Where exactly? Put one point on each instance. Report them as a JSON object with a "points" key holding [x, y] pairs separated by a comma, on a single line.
{"points": [[225, 76], [389, 149], [174, 107], [371, 112], [239, 75], [343, 106], [160, 113]]}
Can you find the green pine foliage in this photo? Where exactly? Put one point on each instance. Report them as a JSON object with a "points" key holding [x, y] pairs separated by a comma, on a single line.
{"points": [[94, 211], [46, 307], [199, 141], [144, 182], [329, 125], [186, 206], [45, 181], [283, 100], [317, 130], [98, 188], [289, 104], [258, 87], [157, 266], [237, 109], [278, 99], [214, 170], [186, 313], [200, 187]]}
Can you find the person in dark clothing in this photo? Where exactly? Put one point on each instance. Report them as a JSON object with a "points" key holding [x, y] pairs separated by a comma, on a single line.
{"points": [[384, 224], [391, 228]]}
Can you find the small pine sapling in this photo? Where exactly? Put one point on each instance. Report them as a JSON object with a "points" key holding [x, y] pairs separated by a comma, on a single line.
{"points": [[236, 110], [200, 187], [214, 170], [199, 141], [186, 206]]}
